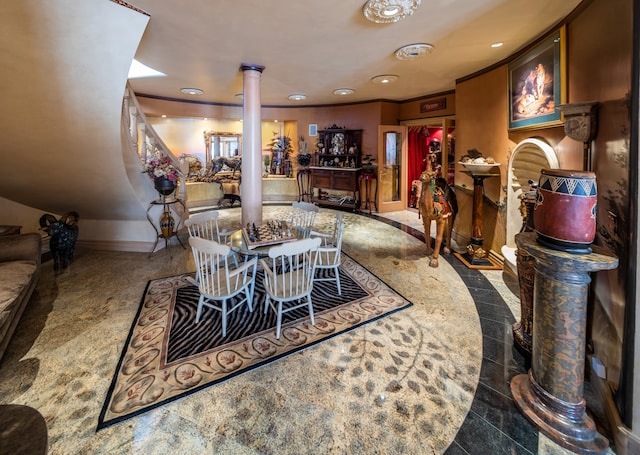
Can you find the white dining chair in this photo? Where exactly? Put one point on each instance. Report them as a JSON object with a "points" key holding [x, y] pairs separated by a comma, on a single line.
{"points": [[329, 251], [288, 278], [218, 282], [204, 225], [303, 216]]}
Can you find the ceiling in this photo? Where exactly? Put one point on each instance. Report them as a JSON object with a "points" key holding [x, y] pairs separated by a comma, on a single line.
{"points": [[314, 47]]}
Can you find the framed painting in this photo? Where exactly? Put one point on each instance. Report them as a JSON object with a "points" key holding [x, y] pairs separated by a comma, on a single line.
{"points": [[537, 84]]}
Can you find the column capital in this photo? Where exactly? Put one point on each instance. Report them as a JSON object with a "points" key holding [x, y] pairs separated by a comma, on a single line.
{"points": [[252, 67]]}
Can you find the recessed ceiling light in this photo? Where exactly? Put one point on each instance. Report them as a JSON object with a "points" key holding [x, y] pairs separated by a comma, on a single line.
{"points": [[384, 79], [497, 44], [192, 91], [388, 11], [297, 97], [411, 51], [343, 91]]}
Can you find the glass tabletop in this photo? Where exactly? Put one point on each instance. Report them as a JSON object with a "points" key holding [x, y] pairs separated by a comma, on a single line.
{"points": [[239, 245]]}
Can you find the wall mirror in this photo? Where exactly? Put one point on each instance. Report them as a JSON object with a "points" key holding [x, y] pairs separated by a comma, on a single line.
{"points": [[222, 145]]}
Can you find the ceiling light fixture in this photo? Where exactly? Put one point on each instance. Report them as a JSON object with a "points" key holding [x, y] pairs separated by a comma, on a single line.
{"points": [[411, 51], [497, 44], [297, 97], [384, 79], [388, 11], [343, 91], [192, 91]]}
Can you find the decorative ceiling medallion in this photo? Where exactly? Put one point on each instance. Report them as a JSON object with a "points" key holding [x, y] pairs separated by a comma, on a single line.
{"points": [[297, 97], [192, 91], [411, 51], [388, 11], [343, 91], [384, 79]]}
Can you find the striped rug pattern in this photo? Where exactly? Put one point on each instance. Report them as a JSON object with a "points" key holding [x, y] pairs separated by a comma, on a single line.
{"points": [[168, 356]]}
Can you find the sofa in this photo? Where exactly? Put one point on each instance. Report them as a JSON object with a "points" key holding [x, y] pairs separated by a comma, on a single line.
{"points": [[20, 257]]}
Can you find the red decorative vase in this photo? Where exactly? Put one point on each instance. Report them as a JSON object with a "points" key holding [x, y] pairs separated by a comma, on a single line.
{"points": [[565, 211]]}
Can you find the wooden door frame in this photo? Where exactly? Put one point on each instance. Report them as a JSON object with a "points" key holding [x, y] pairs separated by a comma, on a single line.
{"points": [[403, 203]]}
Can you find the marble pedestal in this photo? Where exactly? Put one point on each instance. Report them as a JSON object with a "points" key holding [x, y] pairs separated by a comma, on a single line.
{"points": [[551, 395]]}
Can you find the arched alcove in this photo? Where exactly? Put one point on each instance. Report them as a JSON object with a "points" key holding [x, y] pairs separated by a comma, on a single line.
{"points": [[528, 158]]}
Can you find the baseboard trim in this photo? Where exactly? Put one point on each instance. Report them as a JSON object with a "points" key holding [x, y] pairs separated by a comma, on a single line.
{"points": [[116, 245]]}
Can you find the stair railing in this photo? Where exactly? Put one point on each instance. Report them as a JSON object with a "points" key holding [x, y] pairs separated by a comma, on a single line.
{"points": [[144, 140]]}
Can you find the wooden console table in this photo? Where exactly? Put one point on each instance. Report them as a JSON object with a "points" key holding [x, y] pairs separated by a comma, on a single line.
{"points": [[339, 179], [551, 395]]}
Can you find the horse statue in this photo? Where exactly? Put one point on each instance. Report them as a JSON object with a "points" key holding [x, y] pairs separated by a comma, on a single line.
{"points": [[434, 206]]}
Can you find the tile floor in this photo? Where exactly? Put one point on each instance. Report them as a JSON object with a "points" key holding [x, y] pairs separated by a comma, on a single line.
{"points": [[332, 398]]}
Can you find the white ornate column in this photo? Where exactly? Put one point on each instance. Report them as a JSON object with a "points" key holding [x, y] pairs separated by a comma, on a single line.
{"points": [[251, 187]]}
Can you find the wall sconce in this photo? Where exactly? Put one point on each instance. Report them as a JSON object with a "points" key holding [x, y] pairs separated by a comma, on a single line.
{"points": [[580, 124]]}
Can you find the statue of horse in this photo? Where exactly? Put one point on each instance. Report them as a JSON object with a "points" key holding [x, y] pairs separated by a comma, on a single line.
{"points": [[434, 206]]}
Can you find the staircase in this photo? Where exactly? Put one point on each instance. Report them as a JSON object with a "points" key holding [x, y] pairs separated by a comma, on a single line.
{"points": [[64, 140]]}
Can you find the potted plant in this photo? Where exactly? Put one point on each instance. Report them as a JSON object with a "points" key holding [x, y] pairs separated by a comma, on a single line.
{"points": [[281, 149], [163, 173]]}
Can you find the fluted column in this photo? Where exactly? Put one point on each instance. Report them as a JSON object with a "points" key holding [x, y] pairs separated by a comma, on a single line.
{"points": [[251, 188]]}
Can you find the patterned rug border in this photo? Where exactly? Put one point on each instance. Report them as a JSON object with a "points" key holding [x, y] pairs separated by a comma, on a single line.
{"points": [[102, 423]]}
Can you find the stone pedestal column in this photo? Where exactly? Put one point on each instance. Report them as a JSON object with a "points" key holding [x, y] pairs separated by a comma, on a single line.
{"points": [[251, 187], [551, 395]]}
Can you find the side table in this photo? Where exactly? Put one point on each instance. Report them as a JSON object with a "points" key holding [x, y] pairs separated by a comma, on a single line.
{"points": [[551, 395], [365, 201], [303, 179], [171, 229]]}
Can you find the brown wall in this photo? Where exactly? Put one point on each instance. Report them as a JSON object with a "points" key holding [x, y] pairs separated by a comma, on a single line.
{"points": [[599, 58]]}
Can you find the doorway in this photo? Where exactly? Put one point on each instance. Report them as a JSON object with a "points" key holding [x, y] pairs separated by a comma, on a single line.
{"points": [[427, 141], [392, 168]]}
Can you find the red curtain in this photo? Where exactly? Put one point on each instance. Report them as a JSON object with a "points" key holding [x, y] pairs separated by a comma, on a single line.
{"points": [[418, 150]]}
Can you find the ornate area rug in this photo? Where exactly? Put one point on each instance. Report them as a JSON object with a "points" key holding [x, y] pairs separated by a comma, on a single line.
{"points": [[168, 356]]}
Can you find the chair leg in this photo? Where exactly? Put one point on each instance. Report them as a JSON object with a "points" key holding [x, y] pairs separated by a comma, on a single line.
{"points": [[249, 296], [266, 304], [338, 280], [279, 320], [200, 305], [224, 318], [310, 305]]}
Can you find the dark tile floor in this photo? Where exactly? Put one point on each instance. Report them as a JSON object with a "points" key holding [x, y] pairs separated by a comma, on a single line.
{"points": [[494, 425]]}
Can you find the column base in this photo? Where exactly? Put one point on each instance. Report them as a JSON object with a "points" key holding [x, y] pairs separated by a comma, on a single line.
{"points": [[567, 424], [477, 263]]}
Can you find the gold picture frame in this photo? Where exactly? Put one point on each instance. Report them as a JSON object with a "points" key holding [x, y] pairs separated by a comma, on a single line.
{"points": [[537, 84]]}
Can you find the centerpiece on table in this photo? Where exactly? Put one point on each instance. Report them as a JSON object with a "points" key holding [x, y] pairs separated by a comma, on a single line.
{"points": [[163, 173]]}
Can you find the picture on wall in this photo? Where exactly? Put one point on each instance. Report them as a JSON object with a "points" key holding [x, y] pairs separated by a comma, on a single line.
{"points": [[537, 85]]}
